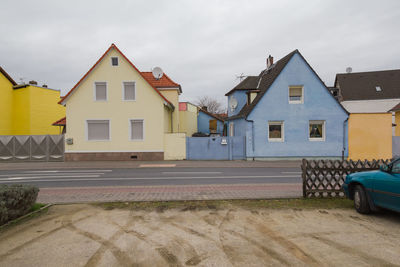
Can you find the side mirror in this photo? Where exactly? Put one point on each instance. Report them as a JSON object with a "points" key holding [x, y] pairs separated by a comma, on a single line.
{"points": [[384, 168]]}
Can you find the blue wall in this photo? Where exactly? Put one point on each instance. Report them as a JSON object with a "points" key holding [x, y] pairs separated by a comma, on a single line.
{"points": [[210, 148], [241, 98], [203, 123], [274, 106]]}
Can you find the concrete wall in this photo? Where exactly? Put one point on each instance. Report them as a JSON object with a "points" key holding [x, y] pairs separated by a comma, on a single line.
{"points": [[370, 136], [318, 104], [147, 106], [175, 146], [396, 146], [211, 148]]}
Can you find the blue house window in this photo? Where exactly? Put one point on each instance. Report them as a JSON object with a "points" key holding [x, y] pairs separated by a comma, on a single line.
{"points": [[317, 131], [295, 94], [276, 131]]}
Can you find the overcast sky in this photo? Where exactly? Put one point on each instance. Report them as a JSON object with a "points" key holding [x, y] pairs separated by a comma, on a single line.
{"points": [[202, 45]]}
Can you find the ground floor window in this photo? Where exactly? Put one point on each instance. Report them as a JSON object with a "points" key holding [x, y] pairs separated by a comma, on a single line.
{"points": [[137, 130], [98, 130], [317, 131], [275, 131]]}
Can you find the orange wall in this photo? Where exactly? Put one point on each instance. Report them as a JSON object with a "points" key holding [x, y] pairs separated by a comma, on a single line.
{"points": [[370, 136]]}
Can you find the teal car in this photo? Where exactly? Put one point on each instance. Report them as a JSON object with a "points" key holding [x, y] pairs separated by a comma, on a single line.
{"points": [[371, 190]]}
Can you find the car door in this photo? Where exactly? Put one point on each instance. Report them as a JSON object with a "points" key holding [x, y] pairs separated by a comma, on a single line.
{"points": [[386, 188]]}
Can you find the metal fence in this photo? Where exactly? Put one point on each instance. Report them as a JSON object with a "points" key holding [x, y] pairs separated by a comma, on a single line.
{"points": [[19, 148], [324, 178]]}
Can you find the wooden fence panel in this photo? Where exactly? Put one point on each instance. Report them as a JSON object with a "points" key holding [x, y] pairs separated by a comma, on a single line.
{"points": [[324, 178]]}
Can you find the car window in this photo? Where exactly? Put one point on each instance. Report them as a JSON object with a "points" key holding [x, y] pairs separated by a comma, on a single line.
{"points": [[396, 167]]}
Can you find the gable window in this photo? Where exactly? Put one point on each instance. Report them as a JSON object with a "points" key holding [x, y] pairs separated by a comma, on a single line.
{"points": [[276, 131], [378, 88], [100, 91], [316, 131], [114, 61], [295, 94], [129, 91], [98, 130], [137, 130]]}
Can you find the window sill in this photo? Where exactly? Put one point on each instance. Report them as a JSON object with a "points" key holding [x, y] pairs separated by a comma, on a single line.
{"points": [[276, 140], [316, 139]]}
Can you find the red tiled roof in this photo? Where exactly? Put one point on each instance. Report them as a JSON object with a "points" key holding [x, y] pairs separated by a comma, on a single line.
{"points": [[98, 61], [7, 76], [163, 82], [60, 122]]}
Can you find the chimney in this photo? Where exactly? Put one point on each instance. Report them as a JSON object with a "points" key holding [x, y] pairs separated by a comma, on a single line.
{"points": [[44, 85], [270, 61], [204, 108], [33, 82]]}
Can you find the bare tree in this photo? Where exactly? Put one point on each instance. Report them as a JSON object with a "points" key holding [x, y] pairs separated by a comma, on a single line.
{"points": [[213, 105]]}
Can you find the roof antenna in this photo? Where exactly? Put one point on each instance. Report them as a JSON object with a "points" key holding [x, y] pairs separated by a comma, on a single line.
{"points": [[241, 76], [349, 69]]}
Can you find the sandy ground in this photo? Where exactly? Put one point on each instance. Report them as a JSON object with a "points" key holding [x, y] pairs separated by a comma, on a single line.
{"points": [[85, 235]]}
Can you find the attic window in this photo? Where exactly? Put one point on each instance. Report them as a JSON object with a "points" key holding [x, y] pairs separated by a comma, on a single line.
{"points": [[114, 61], [378, 88], [295, 94]]}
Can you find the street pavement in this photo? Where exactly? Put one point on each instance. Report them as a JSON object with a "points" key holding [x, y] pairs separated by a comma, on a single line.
{"points": [[150, 181]]}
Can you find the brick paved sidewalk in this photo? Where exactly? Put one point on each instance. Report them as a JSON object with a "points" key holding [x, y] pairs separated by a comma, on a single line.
{"points": [[165, 193], [148, 164]]}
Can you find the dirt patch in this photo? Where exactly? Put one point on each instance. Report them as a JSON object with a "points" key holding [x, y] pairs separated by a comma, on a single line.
{"points": [[209, 234]]}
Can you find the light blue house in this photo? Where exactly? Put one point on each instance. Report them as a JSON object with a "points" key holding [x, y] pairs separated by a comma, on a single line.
{"points": [[287, 112], [209, 123]]}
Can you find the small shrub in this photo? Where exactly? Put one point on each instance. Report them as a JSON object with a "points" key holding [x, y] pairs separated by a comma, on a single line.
{"points": [[16, 200]]}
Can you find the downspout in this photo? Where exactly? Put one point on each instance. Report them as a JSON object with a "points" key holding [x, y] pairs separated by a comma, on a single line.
{"points": [[172, 124], [344, 137], [252, 135]]}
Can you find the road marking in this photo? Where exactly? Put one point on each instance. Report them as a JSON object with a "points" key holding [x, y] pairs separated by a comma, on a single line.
{"points": [[292, 172], [156, 165], [49, 174], [42, 177], [191, 172], [146, 178], [57, 171]]}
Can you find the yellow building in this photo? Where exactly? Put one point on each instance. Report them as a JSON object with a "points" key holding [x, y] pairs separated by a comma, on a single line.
{"points": [[188, 118], [116, 112], [370, 136], [28, 109], [396, 111]]}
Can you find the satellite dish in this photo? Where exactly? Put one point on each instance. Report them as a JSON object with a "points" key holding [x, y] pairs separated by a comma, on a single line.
{"points": [[233, 103], [157, 73], [349, 70]]}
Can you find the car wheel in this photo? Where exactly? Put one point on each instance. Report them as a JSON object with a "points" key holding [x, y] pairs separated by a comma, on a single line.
{"points": [[360, 200]]}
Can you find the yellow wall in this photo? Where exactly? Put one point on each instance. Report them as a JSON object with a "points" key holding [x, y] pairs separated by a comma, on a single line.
{"points": [[173, 96], [175, 146], [370, 136], [397, 122], [21, 112], [148, 106], [188, 120], [5, 106]]}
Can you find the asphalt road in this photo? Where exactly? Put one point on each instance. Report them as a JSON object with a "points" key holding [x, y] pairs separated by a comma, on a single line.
{"points": [[150, 176]]}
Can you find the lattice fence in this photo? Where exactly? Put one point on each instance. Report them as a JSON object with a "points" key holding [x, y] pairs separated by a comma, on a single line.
{"points": [[324, 178]]}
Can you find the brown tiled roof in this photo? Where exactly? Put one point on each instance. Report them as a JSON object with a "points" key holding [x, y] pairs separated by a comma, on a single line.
{"points": [[163, 82], [247, 84], [7, 76], [362, 85], [395, 108], [60, 122], [216, 116]]}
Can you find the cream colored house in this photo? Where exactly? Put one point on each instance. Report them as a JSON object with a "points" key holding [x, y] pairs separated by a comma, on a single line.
{"points": [[188, 114], [116, 112]]}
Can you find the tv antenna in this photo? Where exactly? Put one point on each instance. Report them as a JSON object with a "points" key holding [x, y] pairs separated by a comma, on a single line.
{"points": [[241, 76]]}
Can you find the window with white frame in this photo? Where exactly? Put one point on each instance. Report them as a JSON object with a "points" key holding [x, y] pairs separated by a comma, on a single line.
{"points": [[100, 91], [129, 91], [276, 131], [231, 129], [114, 61], [295, 94], [316, 131], [98, 130], [137, 130]]}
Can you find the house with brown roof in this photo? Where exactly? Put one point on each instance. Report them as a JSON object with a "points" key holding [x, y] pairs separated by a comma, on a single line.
{"points": [[116, 112], [287, 112], [369, 98]]}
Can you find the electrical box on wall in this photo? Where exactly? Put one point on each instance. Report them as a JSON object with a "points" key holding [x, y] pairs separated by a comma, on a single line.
{"points": [[224, 141], [69, 141]]}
